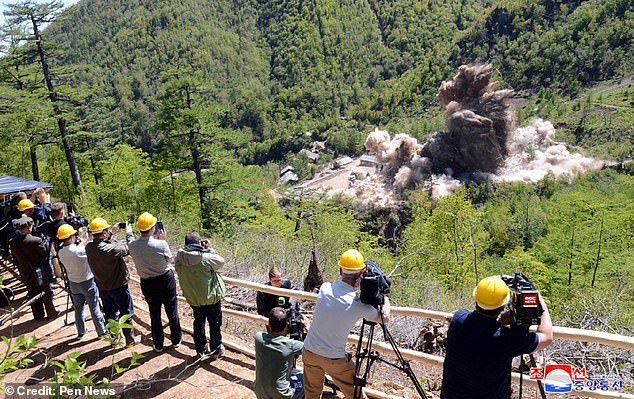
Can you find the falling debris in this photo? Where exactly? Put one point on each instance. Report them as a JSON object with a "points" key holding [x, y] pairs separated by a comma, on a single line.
{"points": [[481, 142]]}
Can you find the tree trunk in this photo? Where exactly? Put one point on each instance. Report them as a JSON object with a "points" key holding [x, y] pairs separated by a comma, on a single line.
{"points": [[314, 277], [61, 121], [34, 167], [596, 263], [195, 153]]}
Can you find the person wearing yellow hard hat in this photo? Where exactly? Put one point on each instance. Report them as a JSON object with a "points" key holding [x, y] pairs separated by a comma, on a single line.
{"points": [[480, 337], [106, 259], [83, 290], [337, 309], [41, 213], [152, 257]]}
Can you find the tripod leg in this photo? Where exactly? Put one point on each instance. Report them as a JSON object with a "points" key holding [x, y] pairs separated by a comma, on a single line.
{"points": [[405, 365], [540, 384], [67, 284], [360, 380]]}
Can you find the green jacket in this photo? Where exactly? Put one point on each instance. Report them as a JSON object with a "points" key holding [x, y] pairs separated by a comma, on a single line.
{"points": [[197, 273]]}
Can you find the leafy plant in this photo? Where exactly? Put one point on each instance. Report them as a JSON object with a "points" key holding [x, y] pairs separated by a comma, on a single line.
{"points": [[17, 354]]}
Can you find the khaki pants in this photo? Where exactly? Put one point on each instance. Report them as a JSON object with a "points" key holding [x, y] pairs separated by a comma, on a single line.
{"points": [[315, 367]]}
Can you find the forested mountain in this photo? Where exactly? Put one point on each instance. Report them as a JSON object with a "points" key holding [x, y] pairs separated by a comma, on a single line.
{"points": [[272, 70], [188, 108]]}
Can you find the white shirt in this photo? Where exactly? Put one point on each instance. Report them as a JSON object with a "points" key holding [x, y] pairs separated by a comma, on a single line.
{"points": [[75, 261], [337, 310]]}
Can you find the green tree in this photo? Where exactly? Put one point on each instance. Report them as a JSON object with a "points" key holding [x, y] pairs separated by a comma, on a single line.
{"points": [[32, 16], [450, 241]]}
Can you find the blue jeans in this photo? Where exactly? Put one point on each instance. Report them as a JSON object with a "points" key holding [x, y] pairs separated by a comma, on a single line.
{"points": [[86, 293], [213, 315], [160, 292], [116, 303]]}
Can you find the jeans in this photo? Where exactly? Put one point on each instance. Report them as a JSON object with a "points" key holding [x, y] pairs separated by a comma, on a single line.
{"points": [[161, 291], [212, 315], [83, 293], [116, 303]]}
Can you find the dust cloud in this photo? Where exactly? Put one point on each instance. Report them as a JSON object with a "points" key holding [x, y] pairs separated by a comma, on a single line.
{"points": [[481, 142]]}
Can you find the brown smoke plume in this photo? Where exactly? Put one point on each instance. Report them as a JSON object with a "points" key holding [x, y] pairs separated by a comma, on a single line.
{"points": [[480, 120]]}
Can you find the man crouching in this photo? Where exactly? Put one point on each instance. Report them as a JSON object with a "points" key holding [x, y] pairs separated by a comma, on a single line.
{"points": [[274, 360]]}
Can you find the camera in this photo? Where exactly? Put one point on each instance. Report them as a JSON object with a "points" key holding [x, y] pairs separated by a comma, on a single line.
{"points": [[158, 228], [524, 305], [77, 221], [295, 325], [122, 225], [375, 285]]}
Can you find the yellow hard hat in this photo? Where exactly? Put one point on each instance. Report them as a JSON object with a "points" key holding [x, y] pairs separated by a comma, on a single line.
{"points": [[491, 293], [64, 231], [25, 204], [97, 225], [351, 260], [145, 221]]}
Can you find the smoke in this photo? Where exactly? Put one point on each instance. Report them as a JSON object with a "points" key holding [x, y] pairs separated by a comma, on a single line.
{"points": [[480, 120], [399, 157], [533, 153], [481, 142]]}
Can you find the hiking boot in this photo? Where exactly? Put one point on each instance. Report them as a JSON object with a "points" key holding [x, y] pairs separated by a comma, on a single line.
{"points": [[201, 355], [157, 349], [177, 344]]}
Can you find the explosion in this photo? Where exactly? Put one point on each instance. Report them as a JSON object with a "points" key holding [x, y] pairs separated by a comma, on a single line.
{"points": [[481, 142]]}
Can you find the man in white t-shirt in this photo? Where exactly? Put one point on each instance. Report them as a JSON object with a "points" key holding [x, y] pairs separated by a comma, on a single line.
{"points": [[337, 310], [83, 289]]}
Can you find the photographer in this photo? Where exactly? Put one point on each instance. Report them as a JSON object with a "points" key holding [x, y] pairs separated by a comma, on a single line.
{"points": [[58, 212], [151, 258], [197, 266], [265, 301], [275, 357], [480, 349], [337, 310], [105, 257], [83, 289]]}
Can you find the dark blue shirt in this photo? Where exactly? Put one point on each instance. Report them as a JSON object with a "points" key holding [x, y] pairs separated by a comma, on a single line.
{"points": [[479, 355]]}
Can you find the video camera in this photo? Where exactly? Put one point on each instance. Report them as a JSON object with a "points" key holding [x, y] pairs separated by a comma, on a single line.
{"points": [[295, 325], [375, 285], [524, 305], [77, 221]]}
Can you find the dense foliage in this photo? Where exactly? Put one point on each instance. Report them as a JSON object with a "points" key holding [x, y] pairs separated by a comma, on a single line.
{"points": [[188, 108]]}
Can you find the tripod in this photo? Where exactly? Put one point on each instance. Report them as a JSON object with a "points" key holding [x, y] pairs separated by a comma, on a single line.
{"points": [[365, 351], [540, 385]]}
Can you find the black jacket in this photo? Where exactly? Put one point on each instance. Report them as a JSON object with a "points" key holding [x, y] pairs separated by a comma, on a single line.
{"points": [[266, 302]]}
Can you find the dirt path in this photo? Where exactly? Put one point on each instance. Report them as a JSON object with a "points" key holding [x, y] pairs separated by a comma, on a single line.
{"points": [[175, 373]]}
